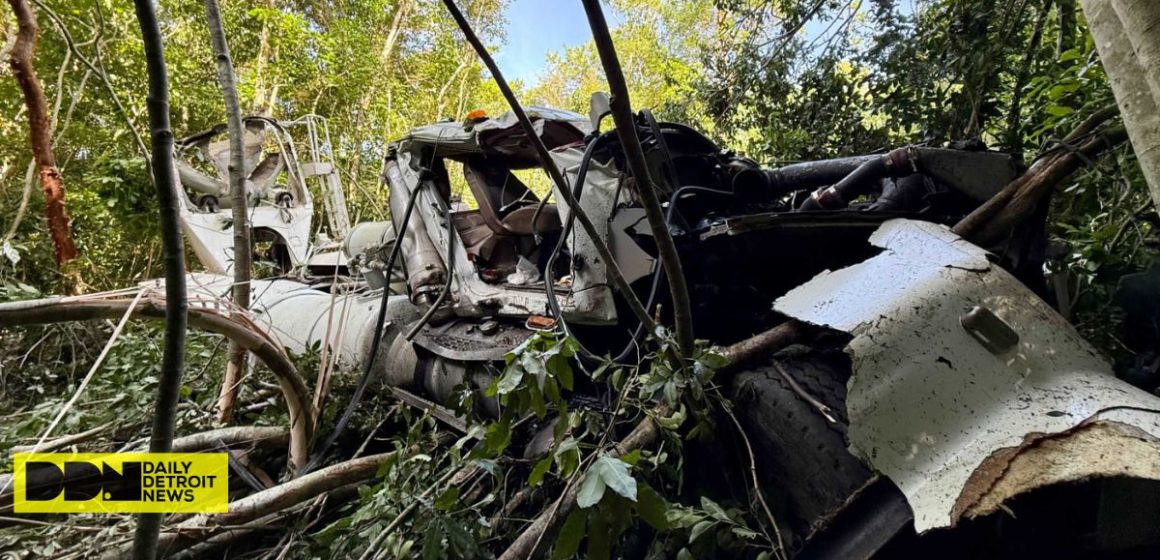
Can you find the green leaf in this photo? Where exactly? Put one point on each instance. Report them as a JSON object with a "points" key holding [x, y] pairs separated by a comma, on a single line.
{"points": [[509, 382], [631, 457], [459, 539], [570, 535], [536, 402], [433, 543], [652, 507], [671, 395], [534, 365], [699, 529], [599, 547], [746, 534], [591, 490], [499, 435], [713, 509], [539, 471], [447, 499], [615, 474], [559, 367], [568, 457], [712, 360], [672, 422], [599, 372]]}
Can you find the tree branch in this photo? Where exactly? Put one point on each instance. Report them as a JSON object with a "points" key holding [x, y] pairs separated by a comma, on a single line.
{"points": [[644, 435], [40, 131], [645, 188], [236, 365], [244, 334]]}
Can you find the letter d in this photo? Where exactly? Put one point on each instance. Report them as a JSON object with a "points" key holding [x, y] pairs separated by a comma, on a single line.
{"points": [[43, 481]]}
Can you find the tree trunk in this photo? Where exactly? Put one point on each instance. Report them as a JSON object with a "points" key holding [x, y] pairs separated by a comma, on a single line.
{"points": [[40, 131], [169, 222], [236, 367], [1141, 21], [1133, 95]]}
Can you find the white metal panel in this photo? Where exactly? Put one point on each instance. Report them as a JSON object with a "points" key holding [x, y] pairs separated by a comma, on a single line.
{"points": [[928, 405]]}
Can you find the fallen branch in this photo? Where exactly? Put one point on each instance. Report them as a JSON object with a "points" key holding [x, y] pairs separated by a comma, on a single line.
{"points": [[991, 222], [644, 435], [209, 548], [231, 437], [58, 443], [278, 498], [58, 310]]}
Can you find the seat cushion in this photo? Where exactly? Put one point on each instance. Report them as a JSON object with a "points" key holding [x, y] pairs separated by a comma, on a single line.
{"points": [[519, 221]]}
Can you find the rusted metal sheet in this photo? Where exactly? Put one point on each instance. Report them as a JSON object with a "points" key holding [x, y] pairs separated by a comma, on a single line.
{"points": [[957, 427]]}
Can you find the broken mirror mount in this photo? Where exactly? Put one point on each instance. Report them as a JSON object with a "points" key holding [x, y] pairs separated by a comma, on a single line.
{"points": [[987, 328]]}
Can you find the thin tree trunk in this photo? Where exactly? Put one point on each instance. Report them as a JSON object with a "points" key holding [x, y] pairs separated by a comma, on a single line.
{"points": [[368, 95], [176, 308], [1014, 115], [40, 131], [1133, 95], [645, 187], [261, 105], [236, 367]]}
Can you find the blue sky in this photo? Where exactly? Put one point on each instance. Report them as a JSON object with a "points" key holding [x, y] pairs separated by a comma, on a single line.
{"points": [[537, 27]]}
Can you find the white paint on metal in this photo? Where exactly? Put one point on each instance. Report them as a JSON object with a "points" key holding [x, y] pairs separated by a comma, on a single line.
{"points": [[590, 299], [296, 314], [927, 403]]}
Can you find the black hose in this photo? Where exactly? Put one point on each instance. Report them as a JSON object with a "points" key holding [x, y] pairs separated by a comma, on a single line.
{"points": [[896, 163], [320, 450], [176, 305], [840, 194]]}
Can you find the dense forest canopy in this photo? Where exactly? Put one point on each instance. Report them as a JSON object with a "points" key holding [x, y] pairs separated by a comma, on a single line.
{"points": [[777, 81]]}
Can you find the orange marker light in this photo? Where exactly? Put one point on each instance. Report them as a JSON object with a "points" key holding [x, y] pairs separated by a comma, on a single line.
{"points": [[476, 115]]}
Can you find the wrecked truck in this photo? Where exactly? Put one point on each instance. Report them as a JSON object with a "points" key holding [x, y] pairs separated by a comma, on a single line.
{"points": [[935, 404]]}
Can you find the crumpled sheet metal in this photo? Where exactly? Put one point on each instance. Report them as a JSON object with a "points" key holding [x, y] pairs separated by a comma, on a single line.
{"points": [[928, 405]]}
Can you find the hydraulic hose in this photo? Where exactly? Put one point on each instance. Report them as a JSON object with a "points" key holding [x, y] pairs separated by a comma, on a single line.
{"points": [[897, 163]]}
